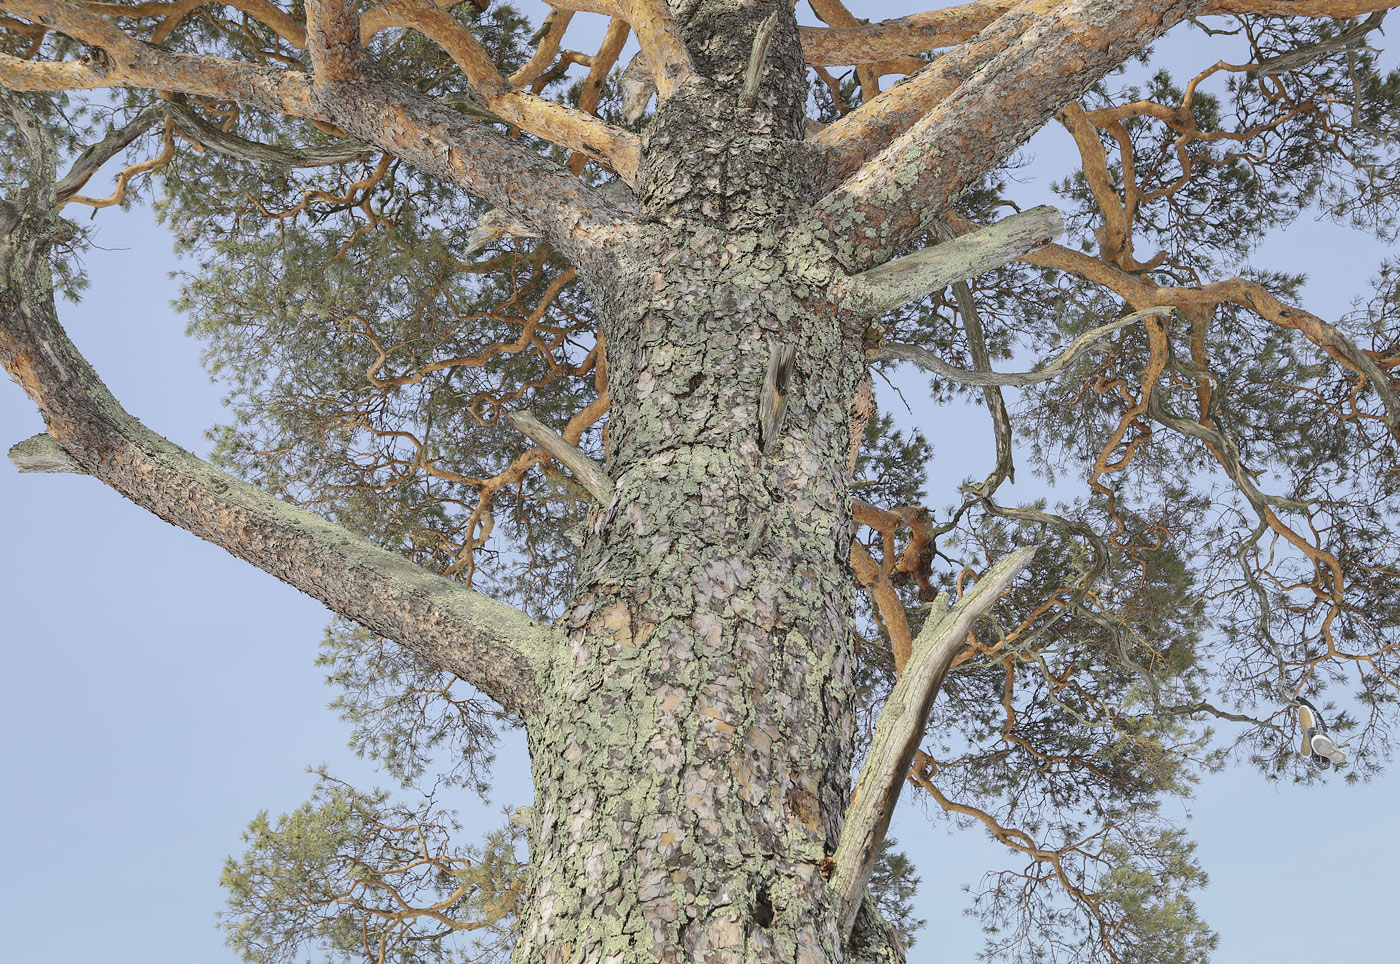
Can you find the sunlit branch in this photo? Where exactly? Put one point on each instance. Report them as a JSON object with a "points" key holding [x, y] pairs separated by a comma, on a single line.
{"points": [[895, 195], [852, 140], [438, 139], [564, 125], [671, 66], [889, 609], [333, 38], [835, 14], [871, 43]]}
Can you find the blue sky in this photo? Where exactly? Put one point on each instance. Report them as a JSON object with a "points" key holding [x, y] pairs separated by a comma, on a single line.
{"points": [[157, 693]]}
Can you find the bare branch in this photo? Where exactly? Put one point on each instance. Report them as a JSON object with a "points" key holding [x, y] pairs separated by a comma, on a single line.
{"points": [[564, 125], [854, 139], [891, 351], [40, 453], [891, 39], [915, 276], [589, 473], [901, 726], [893, 197], [333, 37], [670, 61], [89, 161], [1346, 40]]}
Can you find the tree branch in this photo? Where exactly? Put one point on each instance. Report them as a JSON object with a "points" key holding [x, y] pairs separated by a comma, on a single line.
{"points": [[588, 472], [901, 727], [918, 275], [891, 199], [566, 126], [86, 164], [333, 38], [890, 39], [854, 139], [418, 129], [893, 351], [231, 145], [490, 645], [40, 453], [671, 66]]}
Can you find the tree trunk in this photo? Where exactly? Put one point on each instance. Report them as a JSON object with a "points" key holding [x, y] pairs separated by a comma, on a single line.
{"points": [[692, 764]]}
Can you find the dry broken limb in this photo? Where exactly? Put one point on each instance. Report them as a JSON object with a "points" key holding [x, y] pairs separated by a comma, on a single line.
{"points": [[903, 722], [693, 712]]}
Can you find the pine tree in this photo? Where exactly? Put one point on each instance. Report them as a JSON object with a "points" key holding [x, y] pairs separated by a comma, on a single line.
{"points": [[559, 392]]}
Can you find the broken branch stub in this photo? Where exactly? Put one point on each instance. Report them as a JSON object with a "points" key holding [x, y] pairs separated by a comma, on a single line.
{"points": [[40, 453], [914, 276]]}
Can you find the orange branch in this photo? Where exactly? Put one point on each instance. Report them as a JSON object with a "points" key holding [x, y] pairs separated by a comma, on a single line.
{"points": [[656, 31]]}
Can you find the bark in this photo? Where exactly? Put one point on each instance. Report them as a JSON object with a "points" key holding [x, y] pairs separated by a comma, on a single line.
{"points": [[893, 197], [691, 772]]}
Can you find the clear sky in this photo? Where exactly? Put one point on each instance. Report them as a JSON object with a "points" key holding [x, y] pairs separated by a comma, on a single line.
{"points": [[157, 693]]}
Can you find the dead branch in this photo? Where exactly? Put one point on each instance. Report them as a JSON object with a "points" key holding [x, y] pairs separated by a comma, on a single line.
{"points": [[900, 728], [589, 473], [918, 275], [928, 360]]}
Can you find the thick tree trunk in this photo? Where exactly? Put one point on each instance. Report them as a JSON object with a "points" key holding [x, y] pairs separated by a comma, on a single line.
{"points": [[692, 763]]}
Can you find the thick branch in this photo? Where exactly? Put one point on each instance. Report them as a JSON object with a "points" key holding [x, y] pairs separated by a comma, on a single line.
{"points": [[892, 198], [666, 52], [890, 39], [564, 125], [333, 37], [901, 726], [854, 139], [894, 351], [589, 473], [490, 645], [918, 275], [429, 135]]}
